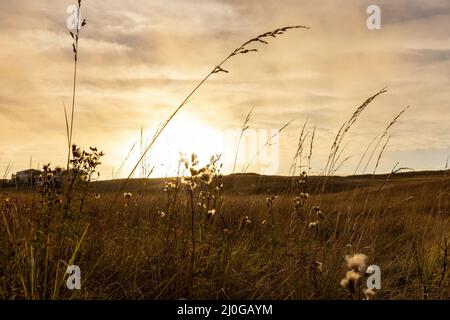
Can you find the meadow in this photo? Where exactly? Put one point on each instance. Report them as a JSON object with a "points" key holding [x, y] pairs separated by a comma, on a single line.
{"points": [[204, 234], [258, 237]]}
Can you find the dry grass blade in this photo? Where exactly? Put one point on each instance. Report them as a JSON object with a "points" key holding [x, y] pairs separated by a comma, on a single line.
{"points": [[364, 154], [268, 142], [379, 156], [243, 129], [385, 132], [7, 170], [299, 151], [117, 174], [311, 148], [67, 128], [332, 159]]}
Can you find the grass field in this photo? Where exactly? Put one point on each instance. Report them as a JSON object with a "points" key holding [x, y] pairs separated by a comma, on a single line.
{"points": [[251, 239], [204, 234]]}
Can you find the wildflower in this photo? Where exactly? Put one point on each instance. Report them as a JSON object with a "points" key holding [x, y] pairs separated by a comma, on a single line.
{"points": [[169, 185], [97, 196], [76, 151], [206, 175], [127, 195], [368, 293], [304, 195], [357, 262], [245, 221], [162, 214], [193, 171], [350, 281], [269, 201], [186, 180], [320, 215], [211, 213], [263, 222], [225, 231], [314, 225]]}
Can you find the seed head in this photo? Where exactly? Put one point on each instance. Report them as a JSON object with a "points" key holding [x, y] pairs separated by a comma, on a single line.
{"points": [[211, 213], [350, 281], [357, 262], [314, 225]]}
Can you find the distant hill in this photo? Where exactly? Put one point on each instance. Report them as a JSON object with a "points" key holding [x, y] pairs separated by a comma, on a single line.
{"points": [[252, 183]]}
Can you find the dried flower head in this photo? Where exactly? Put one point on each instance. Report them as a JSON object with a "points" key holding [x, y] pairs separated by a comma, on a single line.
{"points": [[313, 225], [269, 201], [205, 175], [368, 293], [210, 213], [357, 262], [304, 195], [350, 281], [127, 195], [245, 221]]}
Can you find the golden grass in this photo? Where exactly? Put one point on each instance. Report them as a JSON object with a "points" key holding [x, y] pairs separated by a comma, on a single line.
{"points": [[202, 235], [144, 248]]}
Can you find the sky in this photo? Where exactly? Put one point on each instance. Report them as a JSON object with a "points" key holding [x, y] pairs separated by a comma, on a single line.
{"points": [[139, 59]]}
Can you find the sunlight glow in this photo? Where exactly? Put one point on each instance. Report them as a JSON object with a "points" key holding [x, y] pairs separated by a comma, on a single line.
{"points": [[184, 134]]}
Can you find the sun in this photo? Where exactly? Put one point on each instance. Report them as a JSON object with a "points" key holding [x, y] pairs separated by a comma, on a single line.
{"points": [[184, 134]]}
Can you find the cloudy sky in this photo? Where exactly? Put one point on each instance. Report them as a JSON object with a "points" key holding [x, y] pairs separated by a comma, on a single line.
{"points": [[139, 59]]}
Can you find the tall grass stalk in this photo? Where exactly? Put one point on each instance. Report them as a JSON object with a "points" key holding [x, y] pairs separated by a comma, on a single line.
{"points": [[243, 129], [75, 47], [385, 132], [266, 144]]}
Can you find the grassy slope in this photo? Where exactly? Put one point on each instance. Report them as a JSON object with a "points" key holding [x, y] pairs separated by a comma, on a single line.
{"points": [[134, 252]]}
